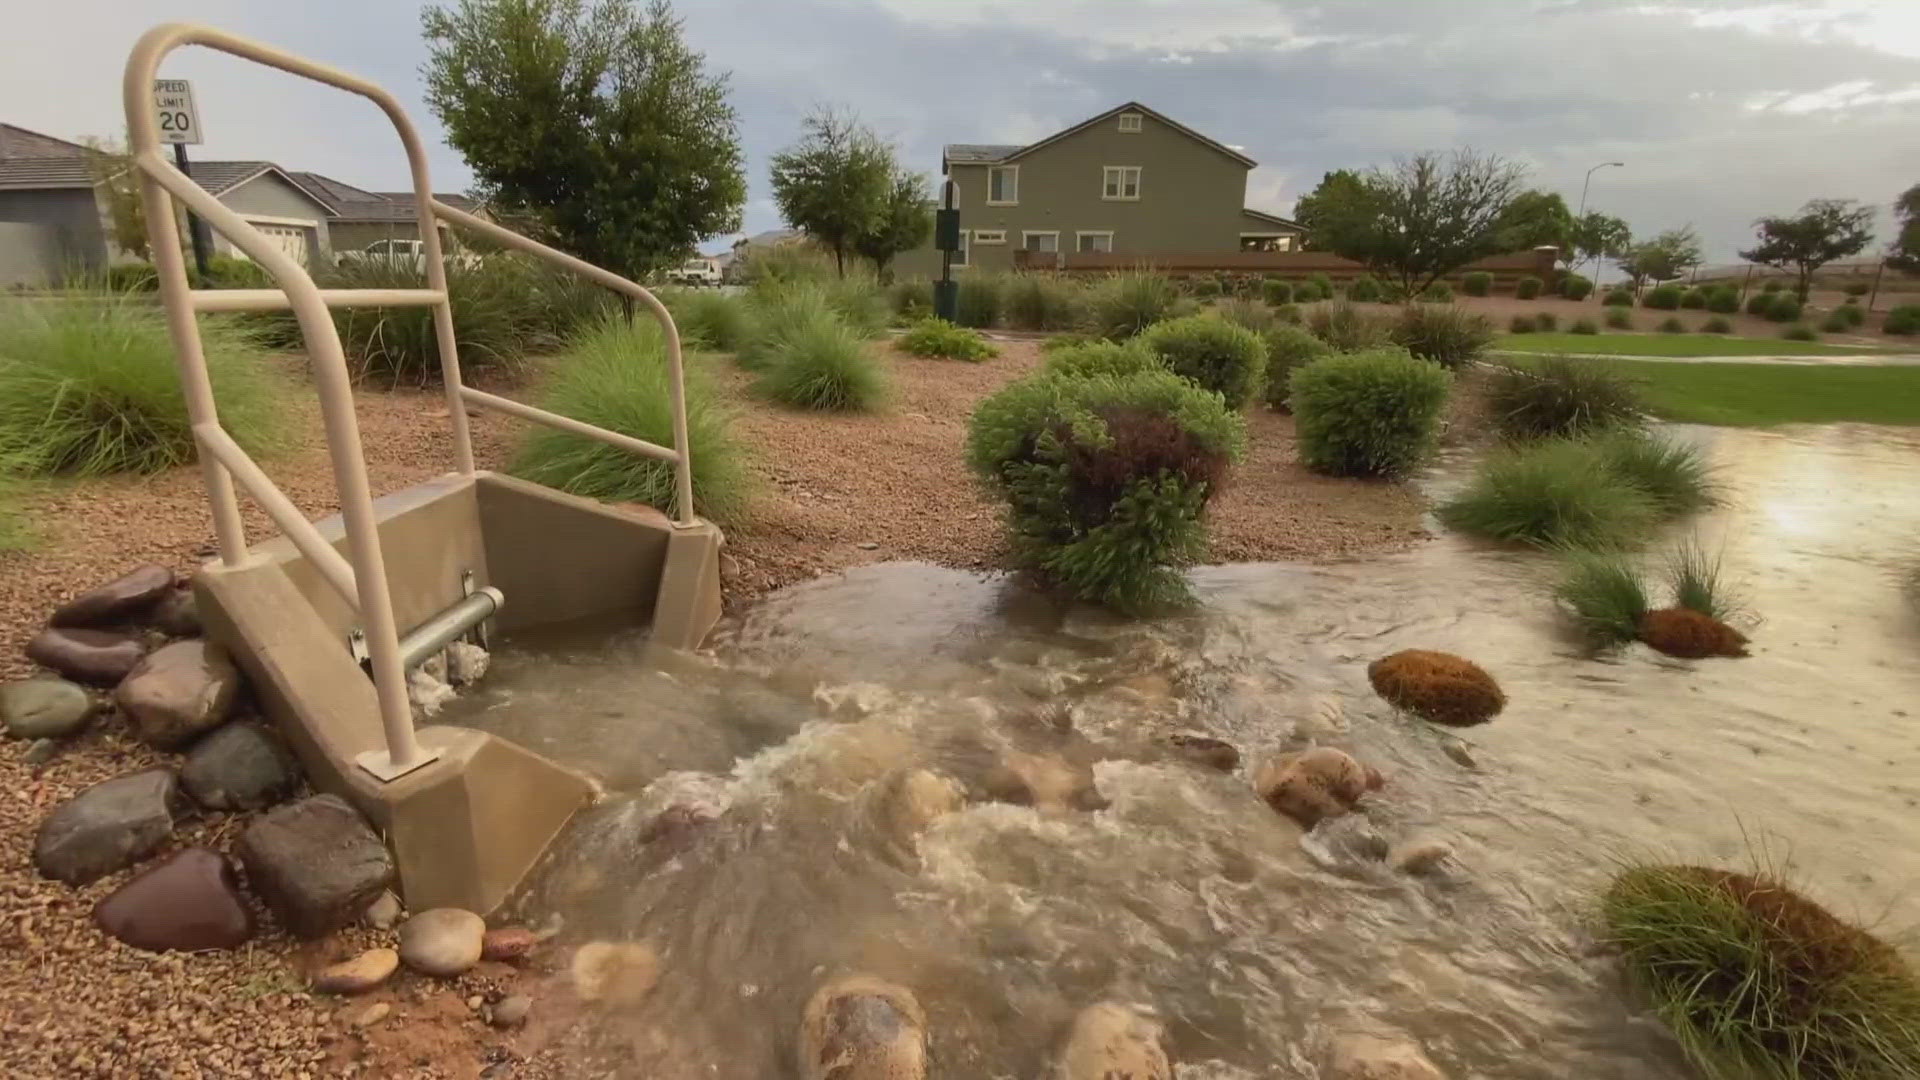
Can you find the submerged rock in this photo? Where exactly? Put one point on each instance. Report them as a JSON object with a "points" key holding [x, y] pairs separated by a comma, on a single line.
{"points": [[1319, 783], [1206, 750], [1690, 635], [94, 657], [190, 902], [1420, 855], [442, 942], [916, 799], [1437, 686], [616, 974], [179, 692], [1110, 1040], [126, 597], [862, 1028], [1380, 1055], [44, 708], [1046, 782], [316, 863], [111, 825]]}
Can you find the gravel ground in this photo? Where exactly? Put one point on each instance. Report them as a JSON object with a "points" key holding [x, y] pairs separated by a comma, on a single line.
{"points": [[831, 492]]}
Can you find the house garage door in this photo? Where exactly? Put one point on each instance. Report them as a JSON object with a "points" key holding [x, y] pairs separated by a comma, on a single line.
{"points": [[292, 239]]}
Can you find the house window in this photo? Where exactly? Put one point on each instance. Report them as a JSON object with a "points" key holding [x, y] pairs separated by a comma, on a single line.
{"points": [[1120, 182], [1003, 185], [1266, 242], [989, 236], [1129, 121], [1048, 241], [960, 254], [1093, 241]]}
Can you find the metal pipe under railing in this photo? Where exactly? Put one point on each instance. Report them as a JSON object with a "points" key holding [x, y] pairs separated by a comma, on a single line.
{"points": [[449, 625], [277, 300]]}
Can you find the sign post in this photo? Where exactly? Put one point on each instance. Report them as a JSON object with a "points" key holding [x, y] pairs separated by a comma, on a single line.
{"points": [[946, 238], [179, 123]]}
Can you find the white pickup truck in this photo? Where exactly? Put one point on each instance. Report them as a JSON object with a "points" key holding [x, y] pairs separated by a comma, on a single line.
{"points": [[696, 271], [405, 252]]}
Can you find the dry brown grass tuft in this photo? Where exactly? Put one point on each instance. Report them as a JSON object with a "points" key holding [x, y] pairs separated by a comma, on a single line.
{"points": [[1437, 686], [1690, 634]]}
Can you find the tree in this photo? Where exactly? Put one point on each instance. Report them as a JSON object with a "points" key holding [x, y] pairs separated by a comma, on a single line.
{"points": [[1905, 253], [1537, 219], [1824, 230], [1422, 219], [114, 177], [905, 219], [596, 121], [834, 183], [1599, 236], [1663, 258], [1341, 200]]}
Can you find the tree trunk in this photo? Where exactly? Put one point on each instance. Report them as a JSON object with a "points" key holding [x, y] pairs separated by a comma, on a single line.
{"points": [[839, 261]]}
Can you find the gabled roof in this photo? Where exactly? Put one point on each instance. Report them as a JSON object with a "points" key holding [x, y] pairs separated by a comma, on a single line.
{"points": [[351, 203], [220, 177], [976, 153], [35, 174], [1272, 219], [17, 142]]}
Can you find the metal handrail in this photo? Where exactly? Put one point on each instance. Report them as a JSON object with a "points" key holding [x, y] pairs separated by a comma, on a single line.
{"points": [[221, 460]]}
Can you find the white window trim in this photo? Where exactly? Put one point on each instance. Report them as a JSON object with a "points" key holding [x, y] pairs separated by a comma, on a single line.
{"points": [[1139, 183], [989, 236], [1287, 236], [1015, 201], [1055, 233], [963, 258], [1134, 117], [1078, 233]]}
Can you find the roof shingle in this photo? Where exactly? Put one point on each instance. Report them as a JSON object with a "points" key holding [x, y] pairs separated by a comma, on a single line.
{"points": [[976, 153]]}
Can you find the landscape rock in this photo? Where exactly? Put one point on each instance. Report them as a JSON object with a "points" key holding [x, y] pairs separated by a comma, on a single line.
{"points": [[1111, 1040], [177, 614], [1690, 635], [1458, 751], [316, 863], [507, 943], [916, 799], [384, 913], [1437, 686], [239, 767], [358, 975], [1206, 750], [442, 942], [372, 1014], [861, 1028], [1380, 1056], [178, 693], [1045, 782], [41, 752], [614, 973], [190, 902], [510, 1011], [126, 597], [94, 657], [1319, 783], [1421, 855], [111, 825], [44, 708]]}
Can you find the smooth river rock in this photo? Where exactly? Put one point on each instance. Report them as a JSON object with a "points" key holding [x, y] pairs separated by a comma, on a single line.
{"points": [[614, 973], [358, 975], [44, 708], [442, 942], [126, 597], [1205, 750], [177, 614], [384, 913], [316, 863], [239, 767], [510, 1011], [178, 693], [1308, 787], [190, 902], [111, 825], [94, 657], [862, 1028], [507, 943], [1111, 1040], [1046, 782], [1380, 1055]]}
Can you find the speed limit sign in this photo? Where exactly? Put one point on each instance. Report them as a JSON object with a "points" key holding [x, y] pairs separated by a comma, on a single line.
{"points": [[173, 107]]}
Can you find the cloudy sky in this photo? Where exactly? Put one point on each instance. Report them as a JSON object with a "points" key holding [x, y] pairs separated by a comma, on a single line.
{"points": [[1721, 111]]}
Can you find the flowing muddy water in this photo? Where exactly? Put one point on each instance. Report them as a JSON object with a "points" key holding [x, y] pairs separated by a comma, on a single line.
{"points": [[1173, 885]]}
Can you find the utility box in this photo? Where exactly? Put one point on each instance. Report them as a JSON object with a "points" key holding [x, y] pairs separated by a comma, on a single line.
{"points": [[946, 230]]}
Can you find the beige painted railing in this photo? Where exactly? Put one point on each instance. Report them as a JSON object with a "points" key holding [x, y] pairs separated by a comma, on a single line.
{"points": [[360, 577]]}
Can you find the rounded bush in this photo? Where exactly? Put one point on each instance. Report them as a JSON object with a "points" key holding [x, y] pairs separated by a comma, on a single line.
{"points": [[1799, 332], [1205, 288], [1528, 288], [1372, 413], [710, 319], [1618, 297], [1096, 358], [1851, 314], [1772, 285], [1618, 319], [1288, 349], [1724, 299], [1276, 292], [1694, 299], [1240, 311], [1858, 288], [1447, 335], [1547, 321], [1322, 283], [1835, 323], [1583, 326], [1439, 293], [1663, 297], [1106, 478], [1306, 292], [1289, 313], [1348, 329], [1716, 325], [1561, 395], [1477, 283], [823, 365], [1671, 325], [1521, 324], [1783, 309], [1902, 321], [938, 338], [1576, 287], [1758, 303], [1213, 354], [1363, 289]]}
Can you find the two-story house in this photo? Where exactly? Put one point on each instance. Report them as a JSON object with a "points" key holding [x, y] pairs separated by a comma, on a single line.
{"points": [[1128, 181]]}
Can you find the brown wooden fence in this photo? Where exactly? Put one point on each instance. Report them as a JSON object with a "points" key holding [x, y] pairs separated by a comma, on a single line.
{"points": [[1505, 269]]}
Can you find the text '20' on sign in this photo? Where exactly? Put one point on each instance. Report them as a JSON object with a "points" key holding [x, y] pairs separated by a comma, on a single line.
{"points": [[173, 107]]}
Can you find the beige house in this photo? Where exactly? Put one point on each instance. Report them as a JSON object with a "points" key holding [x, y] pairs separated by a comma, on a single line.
{"points": [[1128, 181]]}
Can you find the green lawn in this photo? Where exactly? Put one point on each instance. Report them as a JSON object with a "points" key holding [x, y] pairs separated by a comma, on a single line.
{"points": [[1679, 345], [1745, 395]]}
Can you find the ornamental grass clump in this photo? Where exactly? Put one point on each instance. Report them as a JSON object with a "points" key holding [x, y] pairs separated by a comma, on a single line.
{"points": [[1551, 492], [1213, 354], [1106, 478], [1449, 336], [1372, 414], [1036, 301], [1605, 592], [709, 319], [1126, 303], [824, 366], [1562, 396], [1347, 328], [940, 339]]}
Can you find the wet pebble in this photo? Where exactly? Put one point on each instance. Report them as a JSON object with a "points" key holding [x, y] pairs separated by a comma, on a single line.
{"points": [[372, 1014], [358, 975], [510, 1011], [1319, 783], [1421, 855], [1206, 750], [384, 913], [1380, 1056], [1458, 751], [442, 942], [507, 943]]}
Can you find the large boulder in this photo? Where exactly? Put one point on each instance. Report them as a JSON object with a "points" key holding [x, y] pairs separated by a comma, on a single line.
{"points": [[179, 693], [442, 942], [1319, 783], [316, 863], [94, 657], [189, 902], [1110, 1040], [239, 767], [43, 708], [1437, 686], [1691, 635], [861, 1028], [111, 825], [128, 596]]}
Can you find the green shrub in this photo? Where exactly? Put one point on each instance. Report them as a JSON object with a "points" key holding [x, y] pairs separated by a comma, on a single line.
{"points": [[910, 300], [492, 321], [1671, 325], [1857, 288], [859, 302], [88, 387], [1759, 303], [1562, 396], [1553, 492], [1663, 297], [1205, 288], [1276, 292], [1106, 478], [1672, 475], [1784, 309], [1288, 349], [1250, 314], [1547, 321], [1835, 323], [1306, 292], [1521, 324], [1322, 283], [1102, 358], [1447, 335], [1437, 293], [823, 365], [979, 299], [1902, 321], [1618, 297], [228, 272], [1851, 314], [1128, 302], [1528, 288], [1213, 354], [1043, 302], [1618, 319], [1756, 980], [1694, 299], [777, 308], [1716, 325], [557, 304], [1064, 341], [1799, 332], [1372, 413], [938, 338], [1724, 299], [1604, 593], [615, 375], [1363, 289], [1289, 313], [787, 263], [1576, 286], [710, 319], [1476, 283], [1349, 329], [119, 278], [1773, 285], [1583, 326]]}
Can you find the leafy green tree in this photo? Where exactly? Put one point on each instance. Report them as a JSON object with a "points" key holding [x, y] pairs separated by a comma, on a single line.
{"points": [[1824, 230], [1422, 219], [1663, 258], [591, 117], [1340, 201], [905, 220], [1537, 219], [118, 184], [1599, 236], [1905, 253], [835, 182]]}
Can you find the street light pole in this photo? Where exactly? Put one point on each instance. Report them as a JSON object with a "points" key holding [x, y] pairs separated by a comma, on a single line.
{"points": [[1584, 184]]}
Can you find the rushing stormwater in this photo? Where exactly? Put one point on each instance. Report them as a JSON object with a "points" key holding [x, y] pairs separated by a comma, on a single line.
{"points": [[790, 858]]}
